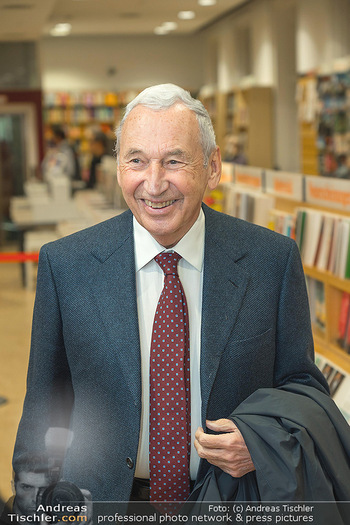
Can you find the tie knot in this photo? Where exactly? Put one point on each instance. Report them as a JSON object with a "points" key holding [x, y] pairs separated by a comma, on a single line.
{"points": [[168, 262]]}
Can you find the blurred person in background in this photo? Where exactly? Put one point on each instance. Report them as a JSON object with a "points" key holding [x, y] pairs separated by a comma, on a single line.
{"points": [[61, 157], [234, 150], [99, 148]]}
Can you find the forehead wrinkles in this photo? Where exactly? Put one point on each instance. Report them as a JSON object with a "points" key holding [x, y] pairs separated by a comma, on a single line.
{"points": [[172, 129]]}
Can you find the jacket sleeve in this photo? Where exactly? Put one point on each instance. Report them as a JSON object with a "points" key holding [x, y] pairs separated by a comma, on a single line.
{"points": [[49, 395], [294, 359]]}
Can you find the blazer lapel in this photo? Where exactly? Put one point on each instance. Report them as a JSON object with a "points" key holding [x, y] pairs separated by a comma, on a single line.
{"points": [[114, 288], [224, 288]]}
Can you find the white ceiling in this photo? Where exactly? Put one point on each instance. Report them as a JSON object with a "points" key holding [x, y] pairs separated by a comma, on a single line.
{"points": [[33, 19]]}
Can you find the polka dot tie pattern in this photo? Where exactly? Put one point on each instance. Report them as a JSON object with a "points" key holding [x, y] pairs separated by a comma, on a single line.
{"points": [[170, 433]]}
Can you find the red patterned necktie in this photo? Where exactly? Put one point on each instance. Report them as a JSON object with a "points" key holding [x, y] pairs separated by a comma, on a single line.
{"points": [[170, 401]]}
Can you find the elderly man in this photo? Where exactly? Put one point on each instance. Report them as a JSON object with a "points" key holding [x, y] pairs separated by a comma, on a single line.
{"points": [[151, 328]]}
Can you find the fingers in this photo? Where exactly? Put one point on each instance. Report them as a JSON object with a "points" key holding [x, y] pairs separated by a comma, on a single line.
{"points": [[227, 451], [214, 447], [226, 426], [221, 425]]}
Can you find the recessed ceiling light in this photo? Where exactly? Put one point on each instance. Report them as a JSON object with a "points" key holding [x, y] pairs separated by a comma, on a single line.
{"points": [[206, 2], [160, 30], [61, 29], [186, 15], [169, 26]]}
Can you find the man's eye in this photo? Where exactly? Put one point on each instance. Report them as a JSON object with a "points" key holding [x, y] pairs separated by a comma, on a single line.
{"points": [[135, 161], [172, 163]]}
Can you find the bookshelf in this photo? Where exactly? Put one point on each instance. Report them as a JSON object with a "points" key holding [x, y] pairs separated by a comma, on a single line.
{"points": [[329, 295], [282, 217], [247, 113], [307, 113], [213, 103], [324, 115], [81, 112], [333, 124], [326, 342]]}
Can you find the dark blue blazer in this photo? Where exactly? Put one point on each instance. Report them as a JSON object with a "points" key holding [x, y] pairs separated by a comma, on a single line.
{"points": [[84, 366]]}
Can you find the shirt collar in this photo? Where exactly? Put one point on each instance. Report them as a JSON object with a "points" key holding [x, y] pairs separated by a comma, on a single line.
{"points": [[190, 247]]}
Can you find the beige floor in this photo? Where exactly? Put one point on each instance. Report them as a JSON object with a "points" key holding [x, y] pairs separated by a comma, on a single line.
{"points": [[16, 306]]}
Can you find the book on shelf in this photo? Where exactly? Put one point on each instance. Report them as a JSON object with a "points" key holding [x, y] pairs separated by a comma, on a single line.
{"points": [[83, 98], [347, 265], [282, 222], [317, 303], [311, 237], [344, 322], [333, 376], [333, 246], [324, 241], [343, 247], [300, 228], [252, 206], [338, 381]]}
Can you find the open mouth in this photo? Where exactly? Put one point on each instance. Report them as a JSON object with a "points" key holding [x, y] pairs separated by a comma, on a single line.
{"points": [[159, 205]]}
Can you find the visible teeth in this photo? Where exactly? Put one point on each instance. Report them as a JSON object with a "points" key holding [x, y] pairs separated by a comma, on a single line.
{"points": [[158, 204]]}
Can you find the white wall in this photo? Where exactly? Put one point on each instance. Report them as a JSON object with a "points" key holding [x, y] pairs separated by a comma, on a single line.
{"points": [[322, 33], [245, 46], [287, 155], [83, 63]]}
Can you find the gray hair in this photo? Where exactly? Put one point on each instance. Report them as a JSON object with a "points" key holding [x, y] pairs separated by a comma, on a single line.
{"points": [[162, 97]]}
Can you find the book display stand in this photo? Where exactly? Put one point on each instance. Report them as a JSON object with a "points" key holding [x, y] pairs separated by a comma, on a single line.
{"points": [[315, 211]]}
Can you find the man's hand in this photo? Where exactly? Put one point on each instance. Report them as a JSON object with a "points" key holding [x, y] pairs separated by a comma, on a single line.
{"points": [[227, 451]]}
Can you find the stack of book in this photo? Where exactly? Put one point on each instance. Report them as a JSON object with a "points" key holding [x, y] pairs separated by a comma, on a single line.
{"points": [[248, 205], [282, 222], [323, 241]]}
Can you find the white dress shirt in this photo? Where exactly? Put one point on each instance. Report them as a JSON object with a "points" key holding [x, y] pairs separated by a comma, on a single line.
{"points": [[149, 285]]}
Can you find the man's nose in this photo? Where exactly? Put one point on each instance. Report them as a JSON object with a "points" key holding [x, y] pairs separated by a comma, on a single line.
{"points": [[155, 181]]}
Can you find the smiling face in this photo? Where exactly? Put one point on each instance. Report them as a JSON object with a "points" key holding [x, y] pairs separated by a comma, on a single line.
{"points": [[161, 170]]}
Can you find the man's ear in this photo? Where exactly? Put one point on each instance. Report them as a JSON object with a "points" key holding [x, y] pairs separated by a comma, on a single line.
{"points": [[215, 168]]}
